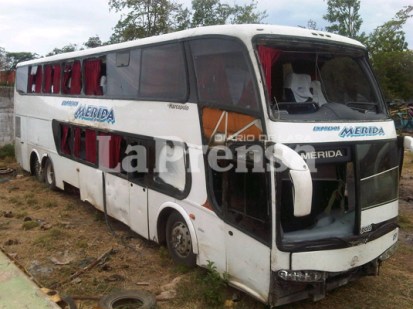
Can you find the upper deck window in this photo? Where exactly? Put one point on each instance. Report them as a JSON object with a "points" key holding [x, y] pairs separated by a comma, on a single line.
{"points": [[224, 77], [123, 73], [72, 78], [163, 73]]}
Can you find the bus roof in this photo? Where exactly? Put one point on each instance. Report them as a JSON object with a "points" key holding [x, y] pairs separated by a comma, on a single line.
{"points": [[244, 32]]}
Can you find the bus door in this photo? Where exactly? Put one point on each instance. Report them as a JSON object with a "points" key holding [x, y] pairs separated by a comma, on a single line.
{"points": [[21, 142], [242, 187], [126, 189]]}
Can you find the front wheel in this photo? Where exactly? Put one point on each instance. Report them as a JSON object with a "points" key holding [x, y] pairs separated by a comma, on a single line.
{"points": [[49, 174], [179, 241]]}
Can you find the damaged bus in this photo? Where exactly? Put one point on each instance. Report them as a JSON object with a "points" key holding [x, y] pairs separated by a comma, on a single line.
{"points": [[266, 150]]}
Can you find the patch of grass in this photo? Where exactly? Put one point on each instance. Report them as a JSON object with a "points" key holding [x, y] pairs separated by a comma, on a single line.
{"points": [[7, 151], [16, 200], [82, 244], [21, 215], [51, 204], [204, 286], [28, 225], [48, 239], [405, 222], [32, 202], [213, 285], [69, 206]]}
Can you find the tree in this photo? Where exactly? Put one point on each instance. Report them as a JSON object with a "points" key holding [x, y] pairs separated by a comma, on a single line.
{"points": [[390, 36], [2, 58], [12, 59], [248, 14], [394, 71], [391, 60], [143, 18], [345, 18], [92, 42], [213, 12], [65, 49]]}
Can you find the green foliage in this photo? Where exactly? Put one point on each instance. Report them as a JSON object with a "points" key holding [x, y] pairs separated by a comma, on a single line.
{"points": [[143, 18], [391, 60], [7, 151], [93, 41], [394, 71], [12, 59], [213, 286], [390, 36], [64, 49], [345, 18]]}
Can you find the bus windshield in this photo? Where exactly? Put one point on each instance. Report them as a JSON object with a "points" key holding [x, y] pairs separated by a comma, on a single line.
{"points": [[320, 83]]}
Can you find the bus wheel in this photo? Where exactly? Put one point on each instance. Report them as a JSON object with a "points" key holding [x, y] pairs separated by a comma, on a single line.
{"points": [[179, 242], [38, 171], [49, 174]]}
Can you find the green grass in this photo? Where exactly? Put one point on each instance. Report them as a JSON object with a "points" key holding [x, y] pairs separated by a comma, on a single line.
{"points": [[7, 151]]}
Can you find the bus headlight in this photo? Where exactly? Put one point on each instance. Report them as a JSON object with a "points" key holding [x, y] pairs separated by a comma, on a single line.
{"points": [[301, 275], [388, 253]]}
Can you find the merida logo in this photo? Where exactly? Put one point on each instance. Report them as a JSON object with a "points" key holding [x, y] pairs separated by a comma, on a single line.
{"points": [[95, 113], [361, 131], [326, 154]]}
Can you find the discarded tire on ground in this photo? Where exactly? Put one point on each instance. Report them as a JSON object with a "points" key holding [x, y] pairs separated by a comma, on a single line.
{"points": [[144, 299]]}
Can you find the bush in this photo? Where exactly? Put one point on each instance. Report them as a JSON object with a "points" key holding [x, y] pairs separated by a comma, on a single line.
{"points": [[7, 151]]}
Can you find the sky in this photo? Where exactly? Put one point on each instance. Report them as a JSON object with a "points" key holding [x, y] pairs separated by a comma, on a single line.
{"points": [[39, 26]]}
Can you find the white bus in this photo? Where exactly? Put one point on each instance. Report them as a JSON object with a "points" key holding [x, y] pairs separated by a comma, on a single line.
{"points": [[267, 150]]}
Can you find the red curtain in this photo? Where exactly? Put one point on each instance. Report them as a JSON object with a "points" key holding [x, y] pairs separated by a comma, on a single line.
{"points": [[56, 78], [114, 158], [90, 146], [268, 56], [76, 83], [47, 78], [64, 142], [67, 72], [38, 86], [77, 142], [92, 71], [109, 154]]}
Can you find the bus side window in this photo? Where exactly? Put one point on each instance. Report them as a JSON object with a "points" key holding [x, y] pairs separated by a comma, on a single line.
{"points": [[223, 74], [171, 164], [66, 139], [51, 78], [22, 79], [35, 79], [163, 73], [72, 78], [123, 73], [94, 72]]}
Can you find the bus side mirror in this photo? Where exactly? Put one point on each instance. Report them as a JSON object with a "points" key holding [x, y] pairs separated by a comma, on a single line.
{"points": [[408, 143], [300, 178]]}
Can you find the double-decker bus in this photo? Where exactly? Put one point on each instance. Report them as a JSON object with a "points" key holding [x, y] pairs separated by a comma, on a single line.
{"points": [[266, 150]]}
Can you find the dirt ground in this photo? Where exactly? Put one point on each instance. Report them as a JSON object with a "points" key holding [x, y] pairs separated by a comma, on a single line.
{"points": [[67, 245]]}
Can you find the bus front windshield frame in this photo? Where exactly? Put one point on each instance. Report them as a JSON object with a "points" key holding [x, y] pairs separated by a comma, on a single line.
{"points": [[316, 82]]}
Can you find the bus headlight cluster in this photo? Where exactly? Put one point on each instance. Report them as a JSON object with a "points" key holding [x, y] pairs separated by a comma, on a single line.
{"points": [[301, 275], [388, 253]]}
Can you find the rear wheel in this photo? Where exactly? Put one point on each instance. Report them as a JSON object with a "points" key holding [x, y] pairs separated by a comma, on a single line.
{"points": [[38, 170], [179, 241], [49, 174]]}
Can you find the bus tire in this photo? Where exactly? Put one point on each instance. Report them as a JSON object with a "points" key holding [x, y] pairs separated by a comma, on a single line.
{"points": [[179, 241], [49, 175], [38, 170], [145, 299]]}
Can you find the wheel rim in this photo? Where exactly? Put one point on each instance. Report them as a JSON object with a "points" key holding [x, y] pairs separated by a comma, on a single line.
{"points": [[37, 169], [181, 239], [49, 174]]}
